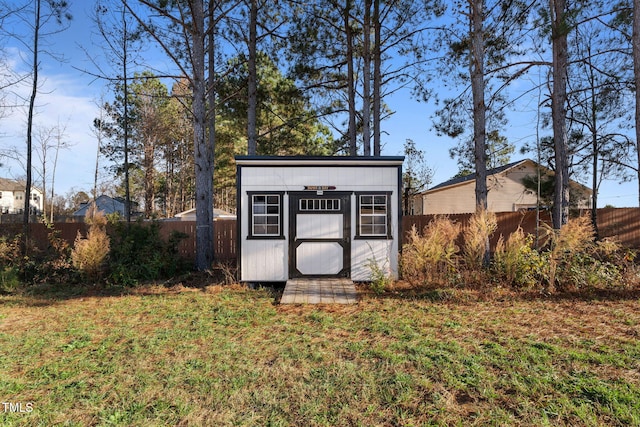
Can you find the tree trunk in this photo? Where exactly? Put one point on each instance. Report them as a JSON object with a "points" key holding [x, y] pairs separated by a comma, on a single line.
{"points": [[366, 79], [203, 148], [252, 85], [479, 107], [125, 87], [636, 73], [353, 148], [476, 64], [559, 112], [377, 78], [32, 103], [149, 177]]}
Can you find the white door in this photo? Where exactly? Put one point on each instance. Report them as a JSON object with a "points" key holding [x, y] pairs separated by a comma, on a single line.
{"points": [[320, 235]]}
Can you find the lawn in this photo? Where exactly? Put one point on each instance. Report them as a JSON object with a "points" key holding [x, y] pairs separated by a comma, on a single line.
{"points": [[231, 356]]}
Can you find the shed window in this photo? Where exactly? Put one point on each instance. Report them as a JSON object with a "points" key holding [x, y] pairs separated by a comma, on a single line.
{"points": [[266, 215], [319, 204], [373, 215]]}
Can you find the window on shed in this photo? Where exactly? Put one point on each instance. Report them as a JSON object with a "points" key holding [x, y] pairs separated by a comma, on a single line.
{"points": [[266, 215], [373, 215]]}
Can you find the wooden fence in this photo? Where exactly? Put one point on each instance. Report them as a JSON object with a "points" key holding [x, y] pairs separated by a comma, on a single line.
{"points": [[623, 224], [224, 236]]}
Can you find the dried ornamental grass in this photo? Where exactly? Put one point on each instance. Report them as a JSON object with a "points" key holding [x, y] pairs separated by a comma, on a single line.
{"points": [[90, 254], [481, 227], [430, 257]]}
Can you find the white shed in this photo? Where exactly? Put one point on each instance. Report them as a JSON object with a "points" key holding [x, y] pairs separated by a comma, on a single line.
{"points": [[317, 216]]}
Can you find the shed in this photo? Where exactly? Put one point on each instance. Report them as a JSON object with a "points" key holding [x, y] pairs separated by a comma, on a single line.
{"points": [[326, 217]]}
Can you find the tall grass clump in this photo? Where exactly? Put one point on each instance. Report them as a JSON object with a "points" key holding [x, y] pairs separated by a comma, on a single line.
{"points": [[89, 254], [431, 258], [481, 227], [575, 260], [517, 262]]}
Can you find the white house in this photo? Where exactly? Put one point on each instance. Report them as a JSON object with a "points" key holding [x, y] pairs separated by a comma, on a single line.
{"points": [[317, 216], [12, 195], [506, 192]]}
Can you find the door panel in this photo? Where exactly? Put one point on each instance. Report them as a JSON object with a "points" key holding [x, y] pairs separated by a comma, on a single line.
{"points": [[319, 258], [319, 226], [320, 233]]}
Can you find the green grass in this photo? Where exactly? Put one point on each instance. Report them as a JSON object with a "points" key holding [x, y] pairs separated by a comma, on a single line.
{"points": [[230, 356]]}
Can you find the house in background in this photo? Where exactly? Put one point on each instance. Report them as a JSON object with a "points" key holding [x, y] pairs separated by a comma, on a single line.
{"points": [[12, 195], [506, 192], [190, 215], [105, 204]]}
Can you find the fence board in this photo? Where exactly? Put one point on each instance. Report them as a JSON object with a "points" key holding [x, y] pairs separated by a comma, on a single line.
{"points": [[622, 224]]}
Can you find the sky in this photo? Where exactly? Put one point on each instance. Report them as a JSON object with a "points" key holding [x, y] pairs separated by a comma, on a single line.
{"points": [[69, 98]]}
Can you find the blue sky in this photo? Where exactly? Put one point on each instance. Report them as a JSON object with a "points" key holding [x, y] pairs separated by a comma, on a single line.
{"points": [[70, 97]]}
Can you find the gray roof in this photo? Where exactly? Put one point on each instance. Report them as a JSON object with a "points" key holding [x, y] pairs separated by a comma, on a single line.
{"points": [[105, 204]]}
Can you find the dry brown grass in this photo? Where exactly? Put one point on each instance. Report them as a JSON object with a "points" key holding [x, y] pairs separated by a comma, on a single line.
{"points": [[89, 254], [480, 228], [429, 259]]}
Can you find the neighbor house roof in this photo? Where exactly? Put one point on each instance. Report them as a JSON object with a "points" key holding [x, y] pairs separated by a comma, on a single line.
{"points": [[105, 204], [462, 179], [7, 184], [190, 214]]}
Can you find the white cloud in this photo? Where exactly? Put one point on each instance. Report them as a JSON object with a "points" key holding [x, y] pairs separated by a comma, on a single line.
{"points": [[62, 100]]}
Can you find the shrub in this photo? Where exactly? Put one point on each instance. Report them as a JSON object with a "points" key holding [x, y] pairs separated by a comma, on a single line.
{"points": [[9, 279], [576, 261], [517, 262], [89, 254], [9, 251], [431, 257], [138, 253], [574, 237]]}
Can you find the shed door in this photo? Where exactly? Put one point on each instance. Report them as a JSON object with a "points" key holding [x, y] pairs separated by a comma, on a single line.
{"points": [[320, 235]]}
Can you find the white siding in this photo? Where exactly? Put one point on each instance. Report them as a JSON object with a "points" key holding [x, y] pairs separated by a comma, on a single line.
{"points": [[267, 260], [263, 260], [295, 178], [363, 252]]}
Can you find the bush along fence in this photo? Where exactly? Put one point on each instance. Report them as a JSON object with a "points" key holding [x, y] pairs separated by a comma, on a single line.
{"points": [[622, 224]]}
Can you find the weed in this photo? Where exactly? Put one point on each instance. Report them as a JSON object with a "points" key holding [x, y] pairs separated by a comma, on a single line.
{"points": [[380, 278]]}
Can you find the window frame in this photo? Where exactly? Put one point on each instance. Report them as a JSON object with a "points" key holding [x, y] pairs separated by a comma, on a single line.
{"points": [[280, 235], [359, 235]]}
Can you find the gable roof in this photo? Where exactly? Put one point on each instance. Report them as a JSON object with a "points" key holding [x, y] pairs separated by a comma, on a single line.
{"points": [[106, 204], [471, 177], [495, 171], [7, 184]]}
